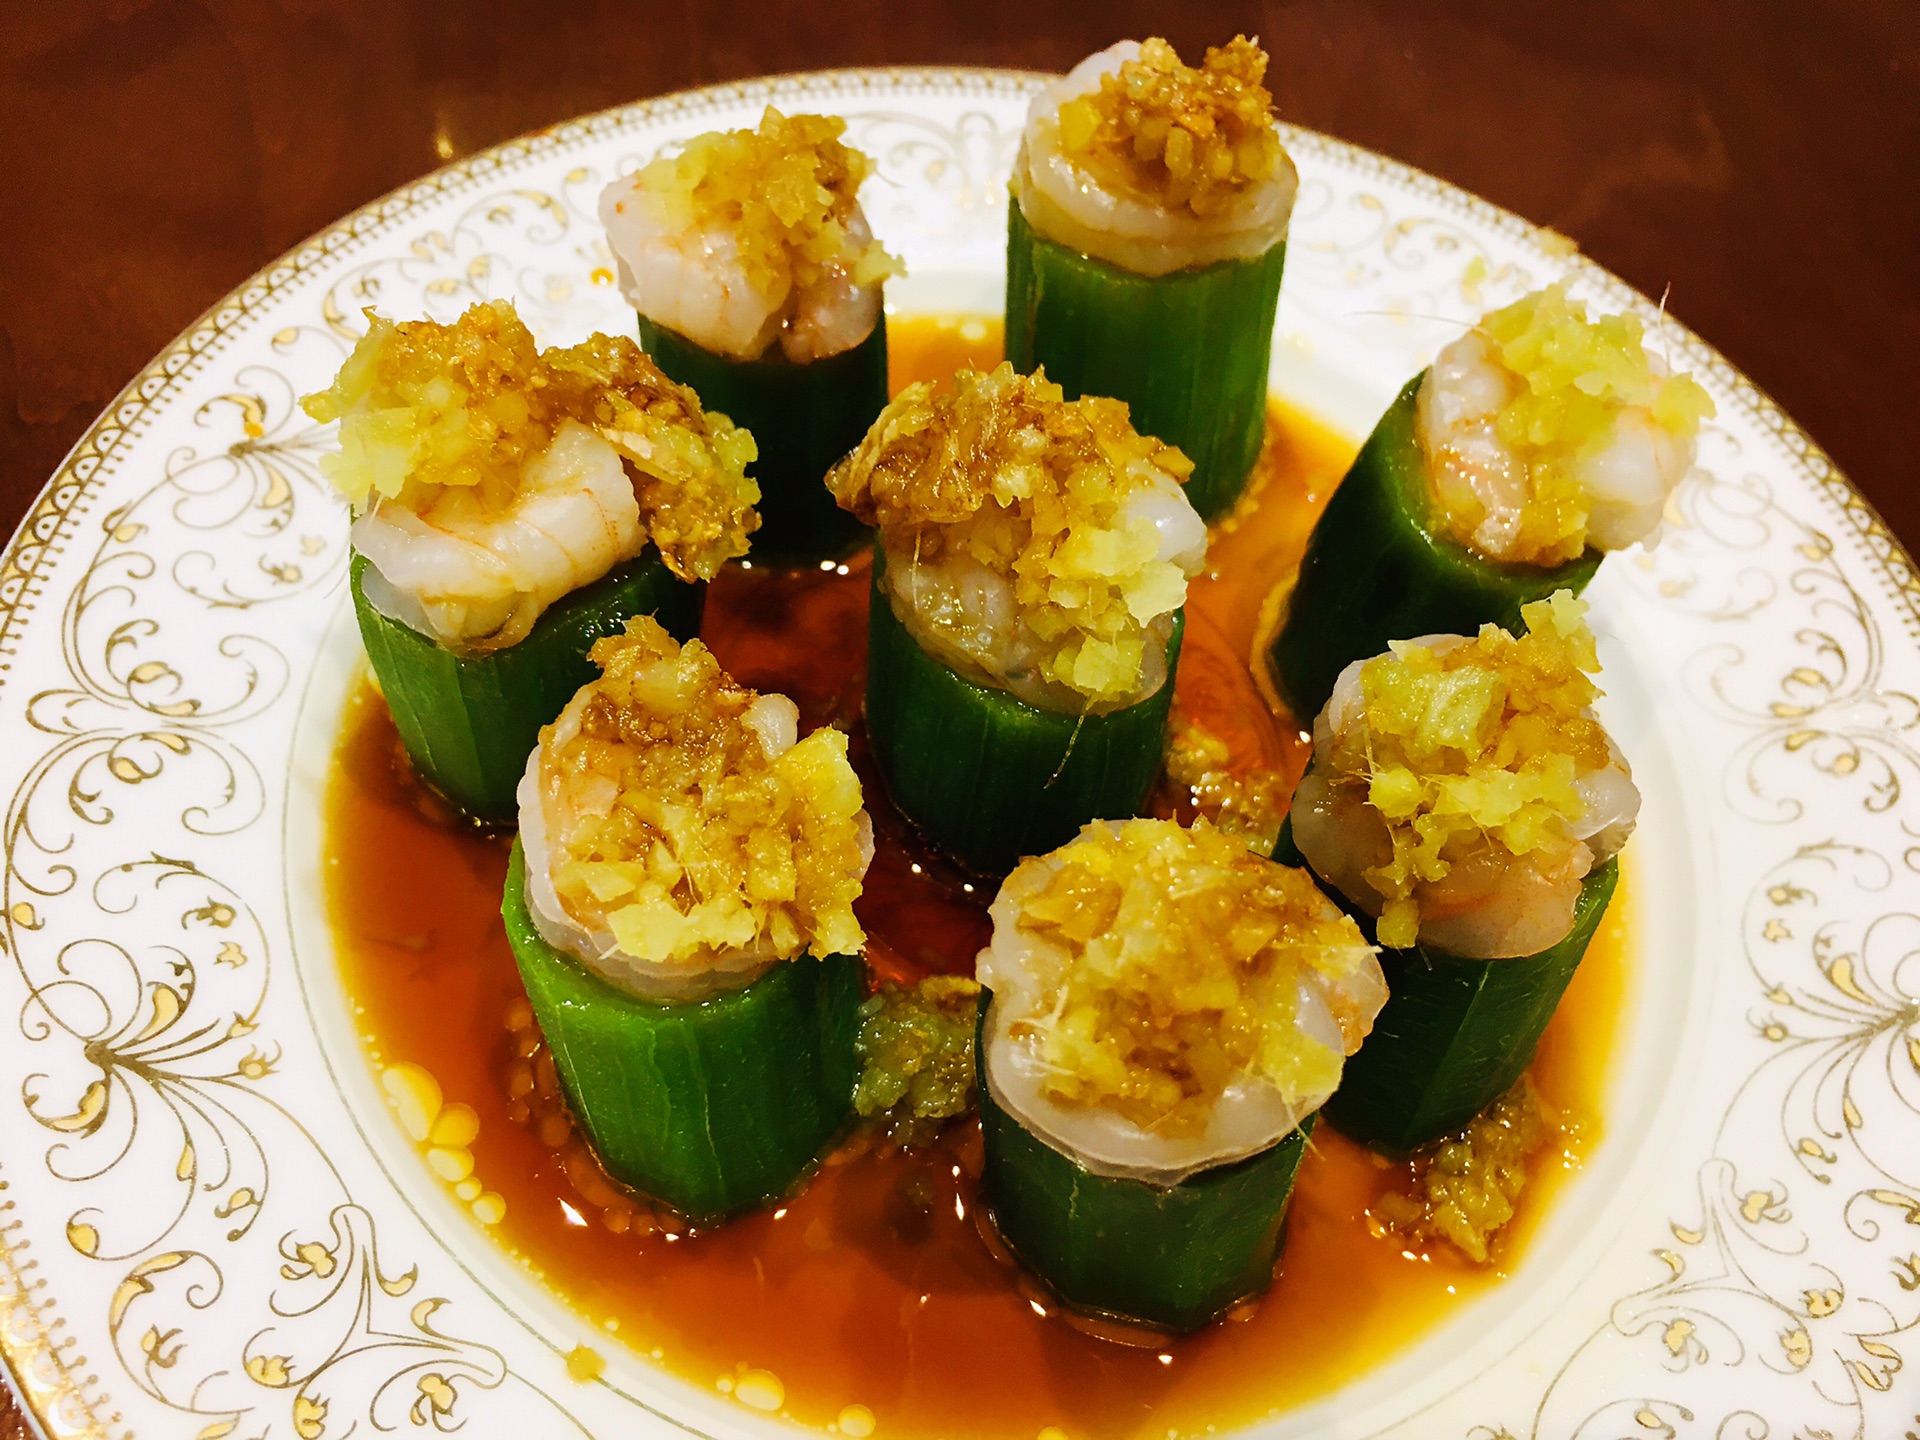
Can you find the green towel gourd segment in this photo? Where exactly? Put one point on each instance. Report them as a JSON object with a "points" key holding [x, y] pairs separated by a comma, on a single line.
{"points": [[1172, 1257], [1455, 1033], [712, 1106], [1188, 351], [1376, 570]]}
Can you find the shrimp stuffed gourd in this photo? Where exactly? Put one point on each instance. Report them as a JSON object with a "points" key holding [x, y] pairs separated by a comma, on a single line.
{"points": [[511, 506], [1145, 245], [1163, 1011], [1026, 609], [1464, 801], [680, 904], [1534, 444], [758, 282]]}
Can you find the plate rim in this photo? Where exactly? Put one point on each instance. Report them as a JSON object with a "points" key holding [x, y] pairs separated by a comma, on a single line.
{"points": [[44, 529]]}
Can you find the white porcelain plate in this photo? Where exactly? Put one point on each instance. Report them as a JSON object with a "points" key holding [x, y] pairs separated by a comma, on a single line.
{"points": [[211, 1223]]}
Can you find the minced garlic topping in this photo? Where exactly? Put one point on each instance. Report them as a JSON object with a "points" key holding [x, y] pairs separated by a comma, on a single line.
{"points": [[441, 419], [1188, 954], [1248, 802], [1176, 134], [1570, 378], [1466, 1189], [1476, 745], [1002, 469], [783, 193], [686, 839]]}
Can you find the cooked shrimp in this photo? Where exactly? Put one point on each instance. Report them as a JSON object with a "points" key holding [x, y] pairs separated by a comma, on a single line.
{"points": [[746, 237], [1580, 446], [1160, 502], [1098, 215], [490, 478], [478, 577], [691, 281], [1629, 481], [1459, 407], [1484, 901], [838, 310], [1489, 904], [713, 810], [1039, 544], [695, 282], [1327, 989], [965, 613], [552, 806]]}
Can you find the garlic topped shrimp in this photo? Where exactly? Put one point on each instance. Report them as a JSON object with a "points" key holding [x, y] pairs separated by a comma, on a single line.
{"points": [[1166, 1001], [680, 838], [1154, 165], [490, 478], [1038, 544], [742, 238], [1547, 432], [458, 569], [1461, 790]]}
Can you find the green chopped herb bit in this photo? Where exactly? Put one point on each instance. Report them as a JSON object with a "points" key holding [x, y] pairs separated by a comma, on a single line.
{"points": [[916, 1057]]}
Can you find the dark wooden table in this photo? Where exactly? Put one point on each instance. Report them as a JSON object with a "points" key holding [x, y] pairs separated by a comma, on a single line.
{"points": [[1757, 158]]}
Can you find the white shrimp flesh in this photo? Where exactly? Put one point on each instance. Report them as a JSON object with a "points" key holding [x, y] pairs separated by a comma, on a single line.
{"points": [[1627, 481], [965, 613], [553, 801], [477, 579], [1491, 904], [1024, 970], [1068, 206], [694, 282]]}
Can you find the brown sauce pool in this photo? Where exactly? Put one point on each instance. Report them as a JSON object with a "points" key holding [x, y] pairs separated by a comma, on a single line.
{"points": [[870, 1303]]}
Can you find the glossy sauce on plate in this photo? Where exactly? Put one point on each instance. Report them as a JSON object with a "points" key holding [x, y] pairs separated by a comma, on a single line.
{"points": [[872, 1301]]}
